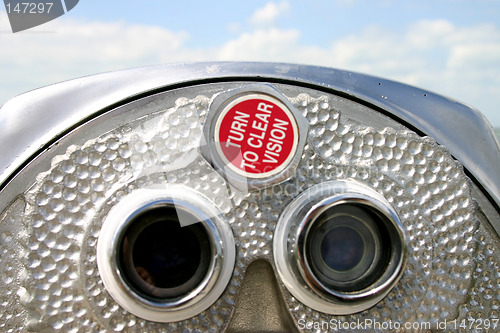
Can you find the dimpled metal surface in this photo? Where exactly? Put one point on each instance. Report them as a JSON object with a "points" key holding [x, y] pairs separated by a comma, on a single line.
{"points": [[452, 270], [13, 315]]}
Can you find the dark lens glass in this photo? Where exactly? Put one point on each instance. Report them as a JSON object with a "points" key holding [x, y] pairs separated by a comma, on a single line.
{"points": [[166, 255], [342, 248], [162, 259], [346, 247]]}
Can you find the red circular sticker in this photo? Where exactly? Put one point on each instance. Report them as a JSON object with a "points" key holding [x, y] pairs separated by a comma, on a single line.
{"points": [[256, 135]]}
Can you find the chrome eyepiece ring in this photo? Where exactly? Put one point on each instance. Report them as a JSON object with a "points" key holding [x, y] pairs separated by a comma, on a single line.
{"points": [[165, 255], [339, 247]]}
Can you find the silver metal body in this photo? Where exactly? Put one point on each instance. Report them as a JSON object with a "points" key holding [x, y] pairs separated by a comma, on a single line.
{"points": [[73, 154]]}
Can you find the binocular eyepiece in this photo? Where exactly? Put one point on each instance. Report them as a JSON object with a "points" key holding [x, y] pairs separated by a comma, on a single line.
{"points": [[339, 247], [165, 255]]}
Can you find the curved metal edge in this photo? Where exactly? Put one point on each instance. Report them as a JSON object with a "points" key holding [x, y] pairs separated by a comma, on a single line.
{"points": [[32, 120]]}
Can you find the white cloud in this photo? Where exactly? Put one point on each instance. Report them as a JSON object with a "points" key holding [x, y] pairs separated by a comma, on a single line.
{"points": [[426, 33], [479, 55], [461, 62], [267, 15], [65, 49], [262, 45]]}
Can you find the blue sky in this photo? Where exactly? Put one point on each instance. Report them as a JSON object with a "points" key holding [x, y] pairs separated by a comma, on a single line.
{"points": [[449, 46]]}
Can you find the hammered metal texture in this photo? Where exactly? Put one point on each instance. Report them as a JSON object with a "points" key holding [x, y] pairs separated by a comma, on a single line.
{"points": [[13, 315], [452, 270]]}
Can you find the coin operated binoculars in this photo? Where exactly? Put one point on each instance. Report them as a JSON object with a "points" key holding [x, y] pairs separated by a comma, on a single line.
{"points": [[245, 197]]}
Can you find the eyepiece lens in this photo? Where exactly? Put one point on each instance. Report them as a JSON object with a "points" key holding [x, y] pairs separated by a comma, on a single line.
{"points": [[346, 247], [162, 259], [342, 248], [166, 255]]}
